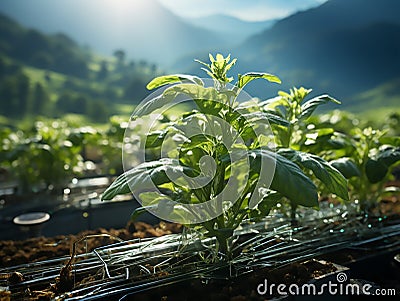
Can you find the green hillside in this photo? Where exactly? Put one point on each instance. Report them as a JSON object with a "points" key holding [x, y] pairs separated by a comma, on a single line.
{"points": [[379, 102], [50, 75]]}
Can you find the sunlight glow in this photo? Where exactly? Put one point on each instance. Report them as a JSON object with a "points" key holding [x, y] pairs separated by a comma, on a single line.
{"points": [[123, 8]]}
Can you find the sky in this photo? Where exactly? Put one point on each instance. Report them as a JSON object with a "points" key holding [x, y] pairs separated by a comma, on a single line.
{"points": [[249, 10]]}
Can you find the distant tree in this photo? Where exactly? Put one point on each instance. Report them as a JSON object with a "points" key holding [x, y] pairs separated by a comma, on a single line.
{"points": [[14, 95], [81, 105], [3, 67], [98, 111], [41, 100], [67, 103], [143, 63], [64, 103], [120, 55], [8, 68], [67, 62], [103, 72], [136, 90], [42, 60], [47, 77], [31, 43], [9, 96], [110, 93], [153, 68], [23, 93]]}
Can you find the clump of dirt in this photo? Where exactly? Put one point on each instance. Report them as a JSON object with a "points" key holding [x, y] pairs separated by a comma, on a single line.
{"points": [[389, 206], [14, 253], [300, 272], [5, 295]]}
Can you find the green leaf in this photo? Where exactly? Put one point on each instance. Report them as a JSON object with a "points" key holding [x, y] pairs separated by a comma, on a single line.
{"points": [[269, 201], [192, 91], [334, 181], [141, 210], [377, 168], [155, 139], [273, 103], [347, 167], [289, 180], [119, 186], [219, 58], [152, 105], [320, 133], [174, 78], [144, 176], [317, 140], [341, 141], [230, 65], [192, 160], [309, 106], [389, 156], [394, 141], [159, 203], [271, 118], [244, 79]]}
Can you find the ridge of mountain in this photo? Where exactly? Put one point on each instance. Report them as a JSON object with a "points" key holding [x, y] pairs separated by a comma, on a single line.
{"points": [[343, 47]]}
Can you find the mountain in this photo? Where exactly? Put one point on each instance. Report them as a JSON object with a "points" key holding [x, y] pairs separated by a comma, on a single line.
{"points": [[55, 52], [343, 47], [51, 75], [144, 29], [232, 28]]}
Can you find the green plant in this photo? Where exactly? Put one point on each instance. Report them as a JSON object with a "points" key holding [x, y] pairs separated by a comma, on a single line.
{"points": [[44, 156], [225, 145], [300, 141], [367, 163]]}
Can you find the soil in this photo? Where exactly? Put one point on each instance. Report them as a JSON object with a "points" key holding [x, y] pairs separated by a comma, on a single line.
{"points": [[14, 253], [390, 206], [241, 288]]}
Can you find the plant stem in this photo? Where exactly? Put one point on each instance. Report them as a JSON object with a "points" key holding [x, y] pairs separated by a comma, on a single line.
{"points": [[293, 209], [224, 246]]}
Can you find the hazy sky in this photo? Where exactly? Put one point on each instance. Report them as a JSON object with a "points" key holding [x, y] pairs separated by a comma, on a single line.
{"points": [[252, 10]]}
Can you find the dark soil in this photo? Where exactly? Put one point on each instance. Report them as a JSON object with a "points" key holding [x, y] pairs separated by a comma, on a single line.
{"points": [[14, 253], [238, 289], [390, 206]]}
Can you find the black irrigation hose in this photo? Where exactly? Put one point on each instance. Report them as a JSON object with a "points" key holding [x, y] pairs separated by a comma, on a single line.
{"points": [[121, 267]]}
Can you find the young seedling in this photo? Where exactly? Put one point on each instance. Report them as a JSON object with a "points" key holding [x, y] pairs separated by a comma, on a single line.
{"points": [[227, 147]]}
